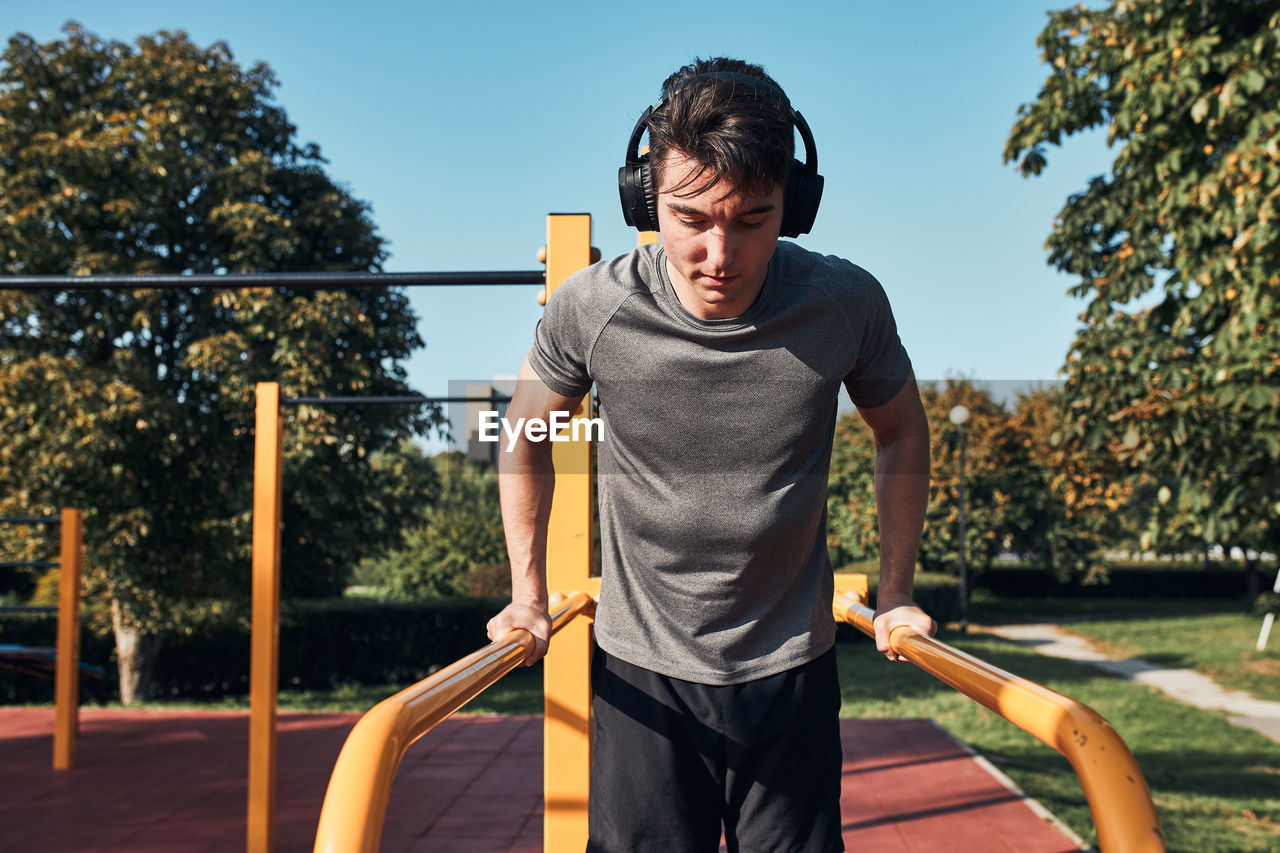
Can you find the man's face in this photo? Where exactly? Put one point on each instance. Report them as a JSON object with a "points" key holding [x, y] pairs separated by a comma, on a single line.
{"points": [[718, 248]]}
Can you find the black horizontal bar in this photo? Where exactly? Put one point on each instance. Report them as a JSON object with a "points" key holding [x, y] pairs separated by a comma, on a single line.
{"points": [[25, 608], [331, 401], [300, 280], [29, 564], [13, 520]]}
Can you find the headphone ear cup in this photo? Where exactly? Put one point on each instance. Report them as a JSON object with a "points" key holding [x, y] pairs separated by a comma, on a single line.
{"points": [[800, 202], [648, 198], [639, 201]]}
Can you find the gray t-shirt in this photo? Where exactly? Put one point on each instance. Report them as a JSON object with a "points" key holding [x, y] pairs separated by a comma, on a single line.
{"points": [[712, 470]]}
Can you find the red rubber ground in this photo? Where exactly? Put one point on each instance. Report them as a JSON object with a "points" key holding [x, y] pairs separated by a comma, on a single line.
{"points": [[174, 782]]}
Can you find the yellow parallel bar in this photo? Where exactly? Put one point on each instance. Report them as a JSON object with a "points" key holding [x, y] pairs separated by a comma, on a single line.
{"points": [[264, 653], [567, 671], [66, 718], [1119, 800], [355, 803]]}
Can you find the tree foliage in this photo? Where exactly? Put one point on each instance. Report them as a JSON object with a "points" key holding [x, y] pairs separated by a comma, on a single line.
{"points": [[995, 490], [1175, 372], [137, 405], [457, 546], [1005, 496], [852, 531], [1074, 506]]}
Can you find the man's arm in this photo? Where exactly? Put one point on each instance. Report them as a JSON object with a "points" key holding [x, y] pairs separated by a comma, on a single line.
{"points": [[902, 493], [526, 481]]}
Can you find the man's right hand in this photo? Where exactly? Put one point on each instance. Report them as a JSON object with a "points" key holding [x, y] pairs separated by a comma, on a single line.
{"points": [[535, 620]]}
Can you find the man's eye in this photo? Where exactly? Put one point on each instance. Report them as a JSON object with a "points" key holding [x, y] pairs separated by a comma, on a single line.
{"points": [[691, 223], [751, 223]]}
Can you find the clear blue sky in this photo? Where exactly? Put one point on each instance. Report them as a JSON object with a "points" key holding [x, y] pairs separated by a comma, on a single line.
{"points": [[464, 124]]}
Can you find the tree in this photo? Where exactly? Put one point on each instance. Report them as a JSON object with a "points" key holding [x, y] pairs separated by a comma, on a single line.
{"points": [[853, 532], [994, 479], [997, 490], [1176, 369], [458, 543], [1073, 507], [164, 156]]}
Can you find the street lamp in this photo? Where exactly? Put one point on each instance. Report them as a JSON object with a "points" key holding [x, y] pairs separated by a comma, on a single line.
{"points": [[959, 416]]}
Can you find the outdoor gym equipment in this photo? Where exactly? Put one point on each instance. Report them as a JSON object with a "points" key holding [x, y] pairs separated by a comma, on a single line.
{"points": [[1117, 793], [355, 804], [1121, 807], [567, 250], [354, 810], [1119, 800], [66, 717]]}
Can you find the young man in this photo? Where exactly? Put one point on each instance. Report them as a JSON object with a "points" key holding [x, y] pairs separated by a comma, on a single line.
{"points": [[718, 358]]}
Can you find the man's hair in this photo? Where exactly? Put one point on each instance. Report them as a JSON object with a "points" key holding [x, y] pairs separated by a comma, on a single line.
{"points": [[728, 127]]}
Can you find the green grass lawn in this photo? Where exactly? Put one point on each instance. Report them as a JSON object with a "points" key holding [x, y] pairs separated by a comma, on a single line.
{"points": [[1220, 645], [1210, 636]]}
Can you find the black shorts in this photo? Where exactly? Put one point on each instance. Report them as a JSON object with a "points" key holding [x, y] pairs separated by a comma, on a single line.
{"points": [[674, 762]]}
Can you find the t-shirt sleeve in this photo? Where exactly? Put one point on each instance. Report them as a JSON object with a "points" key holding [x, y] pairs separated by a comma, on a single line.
{"points": [[882, 365], [559, 354]]}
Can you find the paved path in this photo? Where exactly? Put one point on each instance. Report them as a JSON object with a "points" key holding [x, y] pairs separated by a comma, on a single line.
{"points": [[174, 782], [1185, 685]]}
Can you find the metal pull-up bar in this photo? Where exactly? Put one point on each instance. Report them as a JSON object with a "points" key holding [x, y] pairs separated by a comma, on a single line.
{"points": [[405, 400], [296, 280]]}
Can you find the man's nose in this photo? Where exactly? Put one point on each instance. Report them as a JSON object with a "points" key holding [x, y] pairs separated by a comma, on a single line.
{"points": [[719, 248]]}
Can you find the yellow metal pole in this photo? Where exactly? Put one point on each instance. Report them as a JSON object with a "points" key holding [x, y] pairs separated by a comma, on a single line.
{"points": [[264, 660], [567, 668], [66, 717]]}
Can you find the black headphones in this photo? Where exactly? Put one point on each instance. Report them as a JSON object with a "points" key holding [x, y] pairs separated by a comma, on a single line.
{"points": [[804, 186]]}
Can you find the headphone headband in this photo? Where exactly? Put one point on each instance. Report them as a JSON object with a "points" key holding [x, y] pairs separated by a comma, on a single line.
{"points": [[804, 186]]}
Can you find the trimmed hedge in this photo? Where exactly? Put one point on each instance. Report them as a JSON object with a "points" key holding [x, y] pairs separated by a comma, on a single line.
{"points": [[331, 642], [1126, 581], [322, 644]]}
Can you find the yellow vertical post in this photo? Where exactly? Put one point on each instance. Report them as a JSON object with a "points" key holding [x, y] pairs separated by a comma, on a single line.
{"points": [[264, 662], [567, 670], [66, 715]]}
